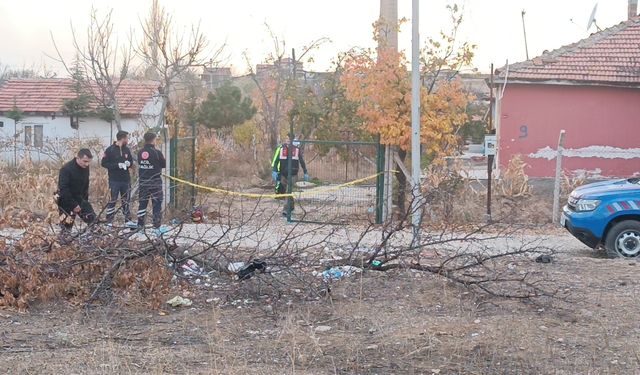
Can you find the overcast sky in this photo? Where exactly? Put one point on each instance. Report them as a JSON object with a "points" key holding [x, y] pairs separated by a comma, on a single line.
{"points": [[494, 25]]}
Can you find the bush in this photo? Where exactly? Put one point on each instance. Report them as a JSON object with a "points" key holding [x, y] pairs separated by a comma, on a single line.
{"points": [[38, 268], [245, 134]]}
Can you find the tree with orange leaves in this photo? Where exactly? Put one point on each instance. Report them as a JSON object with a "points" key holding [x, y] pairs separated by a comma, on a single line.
{"points": [[381, 86]]}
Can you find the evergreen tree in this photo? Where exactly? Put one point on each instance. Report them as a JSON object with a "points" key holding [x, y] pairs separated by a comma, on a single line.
{"points": [[80, 105], [225, 108]]}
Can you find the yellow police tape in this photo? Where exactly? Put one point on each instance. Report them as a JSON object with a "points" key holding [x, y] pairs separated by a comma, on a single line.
{"points": [[274, 196]]}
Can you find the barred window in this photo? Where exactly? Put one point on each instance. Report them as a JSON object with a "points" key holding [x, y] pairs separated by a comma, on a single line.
{"points": [[38, 141]]}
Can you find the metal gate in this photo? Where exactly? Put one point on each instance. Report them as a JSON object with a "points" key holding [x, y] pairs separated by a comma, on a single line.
{"points": [[346, 183]]}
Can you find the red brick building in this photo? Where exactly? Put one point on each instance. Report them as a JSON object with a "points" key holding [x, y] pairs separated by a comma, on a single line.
{"points": [[590, 89]]}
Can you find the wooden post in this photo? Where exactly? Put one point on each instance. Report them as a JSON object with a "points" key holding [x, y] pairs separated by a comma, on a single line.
{"points": [[403, 169], [491, 157], [556, 189]]}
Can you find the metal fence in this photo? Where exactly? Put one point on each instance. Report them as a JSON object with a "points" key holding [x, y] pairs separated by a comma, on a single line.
{"points": [[182, 163], [346, 183]]}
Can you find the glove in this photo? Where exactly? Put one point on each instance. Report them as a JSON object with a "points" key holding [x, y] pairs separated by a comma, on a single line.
{"points": [[274, 175], [306, 177], [127, 163], [122, 166]]}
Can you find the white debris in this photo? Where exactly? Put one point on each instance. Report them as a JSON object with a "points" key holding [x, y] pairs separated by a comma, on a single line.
{"points": [[179, 301], [350, 270], [586, 174], [236, 266], [321, 329], [604, 152], [305, 184]]}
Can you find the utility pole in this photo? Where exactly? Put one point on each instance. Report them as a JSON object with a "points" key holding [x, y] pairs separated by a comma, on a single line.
{"points": [[194, 138], [416, 87], [290, 147], [389, 20], [524, 30]]}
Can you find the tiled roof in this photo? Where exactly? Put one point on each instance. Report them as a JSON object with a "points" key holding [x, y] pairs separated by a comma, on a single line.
{"points": [[611, 56], [48, 95]]}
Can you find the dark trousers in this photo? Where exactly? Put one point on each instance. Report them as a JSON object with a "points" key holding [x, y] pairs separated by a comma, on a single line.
{"points": [[119, 190], [289, 202], [150, 190], [87, 214]]}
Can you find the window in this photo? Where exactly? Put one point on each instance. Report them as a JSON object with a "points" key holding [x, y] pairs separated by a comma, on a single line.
{"points": [[38, 136], [75, 122], [27, 135]]}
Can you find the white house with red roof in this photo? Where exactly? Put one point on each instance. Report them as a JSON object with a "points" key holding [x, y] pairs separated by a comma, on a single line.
{"points": [[46, 130], [590, 89]]}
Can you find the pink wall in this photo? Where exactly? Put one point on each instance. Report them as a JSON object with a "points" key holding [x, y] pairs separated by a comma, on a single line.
{"points": [[533, 115]]}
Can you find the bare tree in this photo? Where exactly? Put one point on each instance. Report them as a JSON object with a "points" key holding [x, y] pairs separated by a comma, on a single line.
{"points": [[105, 60], [167, 54], [3, 72], [247, 250], [275, 86], [33, 71], [443, 57]]}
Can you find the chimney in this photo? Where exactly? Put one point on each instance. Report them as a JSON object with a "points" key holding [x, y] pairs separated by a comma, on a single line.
{"points": [[389, 19], [633, 8]]}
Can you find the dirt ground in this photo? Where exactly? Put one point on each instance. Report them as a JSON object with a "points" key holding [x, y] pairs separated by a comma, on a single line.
{"points": [[400, 322]]}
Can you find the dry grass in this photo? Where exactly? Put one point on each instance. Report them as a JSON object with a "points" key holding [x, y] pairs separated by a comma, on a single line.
{"points": [[454, 198], [514, 182], [393, 322], [570, 182], [28, 192], [398, 322], [38, 268]]}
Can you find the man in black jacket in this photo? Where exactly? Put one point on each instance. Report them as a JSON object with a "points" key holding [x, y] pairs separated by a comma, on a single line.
{"points": [[117, 160], [150, 164], [73, 190]]}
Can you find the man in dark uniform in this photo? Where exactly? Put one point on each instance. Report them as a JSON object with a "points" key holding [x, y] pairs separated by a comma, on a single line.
{"points": [[280, 171], [73, 190], [150, 164], [117, 159]]}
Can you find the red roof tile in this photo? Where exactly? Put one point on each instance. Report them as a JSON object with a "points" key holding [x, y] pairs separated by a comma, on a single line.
{"points": [[611, 56], [48, 95]]}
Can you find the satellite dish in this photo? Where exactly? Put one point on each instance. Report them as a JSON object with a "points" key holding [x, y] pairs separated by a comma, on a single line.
{"points": [[592, 19]]}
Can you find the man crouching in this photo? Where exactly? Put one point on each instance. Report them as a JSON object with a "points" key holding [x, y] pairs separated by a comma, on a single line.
{"points": [[73, 190]]}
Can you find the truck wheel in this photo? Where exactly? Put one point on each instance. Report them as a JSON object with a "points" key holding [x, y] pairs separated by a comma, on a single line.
{"points": [[623, 240]]}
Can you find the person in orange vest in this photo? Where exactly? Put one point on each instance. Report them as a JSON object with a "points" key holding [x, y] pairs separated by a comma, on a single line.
{"points": [[280, 171]]}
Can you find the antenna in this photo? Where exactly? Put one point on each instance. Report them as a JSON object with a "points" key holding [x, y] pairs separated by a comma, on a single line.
{"points": [[592, 19], [524, 30]]}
